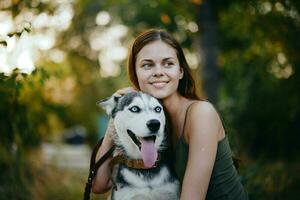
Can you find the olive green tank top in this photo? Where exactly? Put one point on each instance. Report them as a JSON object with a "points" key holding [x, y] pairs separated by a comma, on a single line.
{"points": [[224, 182]]}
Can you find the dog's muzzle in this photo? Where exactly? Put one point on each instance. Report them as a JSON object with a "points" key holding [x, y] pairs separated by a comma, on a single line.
{"points": [[137, 141], [147, 148], [153, 125]]}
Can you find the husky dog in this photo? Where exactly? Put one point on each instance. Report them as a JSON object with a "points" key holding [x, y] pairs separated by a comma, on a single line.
{"points": [[140, 172]]}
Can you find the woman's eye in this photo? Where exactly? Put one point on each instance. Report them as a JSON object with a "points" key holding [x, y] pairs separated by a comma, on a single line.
{"points": [[157, 109], [169, 64], [147, 65], [135, 109]]}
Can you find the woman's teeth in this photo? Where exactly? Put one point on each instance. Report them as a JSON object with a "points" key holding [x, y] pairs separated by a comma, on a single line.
{"points": [[159, 84]]}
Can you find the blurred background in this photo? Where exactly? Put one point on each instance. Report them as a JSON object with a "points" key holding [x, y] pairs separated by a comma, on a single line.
{"points": [[58, 57]]}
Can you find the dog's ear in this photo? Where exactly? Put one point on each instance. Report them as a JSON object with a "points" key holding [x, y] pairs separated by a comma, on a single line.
{"points": [[108, 104]]}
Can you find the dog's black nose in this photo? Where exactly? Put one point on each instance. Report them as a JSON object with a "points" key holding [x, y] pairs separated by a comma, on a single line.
{"points": [[153, 125]]}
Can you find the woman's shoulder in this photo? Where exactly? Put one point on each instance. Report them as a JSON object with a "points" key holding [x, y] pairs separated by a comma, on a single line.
{"points": [[203, 108], [204, 116]]}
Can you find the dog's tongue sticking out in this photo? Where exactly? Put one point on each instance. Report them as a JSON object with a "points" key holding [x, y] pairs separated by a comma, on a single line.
{"points": [[149, 154]]}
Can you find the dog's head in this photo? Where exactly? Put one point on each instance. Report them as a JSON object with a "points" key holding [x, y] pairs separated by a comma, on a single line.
{"points": [[140, 124]]}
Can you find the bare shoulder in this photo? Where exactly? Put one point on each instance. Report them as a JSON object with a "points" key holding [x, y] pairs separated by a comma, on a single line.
{"points": [[204, 109], [203, 119]]}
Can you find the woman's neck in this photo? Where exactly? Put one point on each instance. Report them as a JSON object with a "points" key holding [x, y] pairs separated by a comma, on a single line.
{"points": [[173, 104]]}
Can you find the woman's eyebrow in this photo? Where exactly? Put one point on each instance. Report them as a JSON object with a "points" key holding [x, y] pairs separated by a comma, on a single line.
{"points": [[150, 60], [168, 58], [146, 60]]}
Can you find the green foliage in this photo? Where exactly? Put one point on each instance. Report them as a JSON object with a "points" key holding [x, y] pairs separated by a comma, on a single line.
{"points": [[259, 96], [15, 110], [19, 118], [15, 179], [272, 180], [260, 72]]}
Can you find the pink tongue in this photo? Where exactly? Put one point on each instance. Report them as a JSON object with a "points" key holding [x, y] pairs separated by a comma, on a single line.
{"points": [[149, 153]]}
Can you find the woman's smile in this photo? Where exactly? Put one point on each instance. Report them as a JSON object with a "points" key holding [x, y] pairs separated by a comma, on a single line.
{"points": [[159, 84]]}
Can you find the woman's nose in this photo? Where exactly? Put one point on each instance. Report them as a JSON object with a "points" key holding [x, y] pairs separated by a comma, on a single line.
{"points": [[158, 70]]}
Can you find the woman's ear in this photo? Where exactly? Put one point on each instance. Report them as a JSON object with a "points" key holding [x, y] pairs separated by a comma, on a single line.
{"points": [[181, 73]]}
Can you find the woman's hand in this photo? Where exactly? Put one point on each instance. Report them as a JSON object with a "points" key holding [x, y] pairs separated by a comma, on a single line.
{"points": [[123, 91]]}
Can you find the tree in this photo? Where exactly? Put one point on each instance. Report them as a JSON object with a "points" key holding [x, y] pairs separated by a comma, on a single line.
{"points": [[209, 50]]}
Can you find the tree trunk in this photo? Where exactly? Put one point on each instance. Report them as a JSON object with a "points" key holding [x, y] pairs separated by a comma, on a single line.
{"points": [[208, 50]]}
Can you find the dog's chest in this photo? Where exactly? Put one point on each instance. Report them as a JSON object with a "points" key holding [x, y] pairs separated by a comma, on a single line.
{"points": [[144, 179], [131, 185]]}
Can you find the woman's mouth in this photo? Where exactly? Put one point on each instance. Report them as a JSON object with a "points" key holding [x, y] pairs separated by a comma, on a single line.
{"points": [[159, 85]]}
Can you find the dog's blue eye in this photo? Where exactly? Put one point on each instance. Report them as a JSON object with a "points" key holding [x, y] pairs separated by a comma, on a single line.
{"points": [[157, 109], [135, 109]]}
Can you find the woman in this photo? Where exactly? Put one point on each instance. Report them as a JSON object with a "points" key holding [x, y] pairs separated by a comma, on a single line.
{"points": [[202, 156]]}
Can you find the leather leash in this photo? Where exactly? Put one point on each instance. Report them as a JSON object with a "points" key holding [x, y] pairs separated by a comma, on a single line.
{"points": [[94, 167]]}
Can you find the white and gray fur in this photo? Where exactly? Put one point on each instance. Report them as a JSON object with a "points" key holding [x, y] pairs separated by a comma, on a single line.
{"points": [[157, 183]]}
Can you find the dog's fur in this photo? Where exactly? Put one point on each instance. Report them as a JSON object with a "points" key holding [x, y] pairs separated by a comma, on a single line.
{"points": [[132, 114]]}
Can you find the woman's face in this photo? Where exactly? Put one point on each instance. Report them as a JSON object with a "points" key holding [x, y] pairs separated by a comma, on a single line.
{"points": [[157, 69]]}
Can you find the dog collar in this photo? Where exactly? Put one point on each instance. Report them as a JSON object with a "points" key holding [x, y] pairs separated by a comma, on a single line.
{"points": [[132, 163]]}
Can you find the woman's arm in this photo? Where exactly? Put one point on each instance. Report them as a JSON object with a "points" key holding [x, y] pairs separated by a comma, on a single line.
{"points": [[202, 131], [102, 182]]}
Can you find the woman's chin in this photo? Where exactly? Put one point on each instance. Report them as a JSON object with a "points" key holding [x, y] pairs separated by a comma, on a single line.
{"points": [[159, 94]]}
